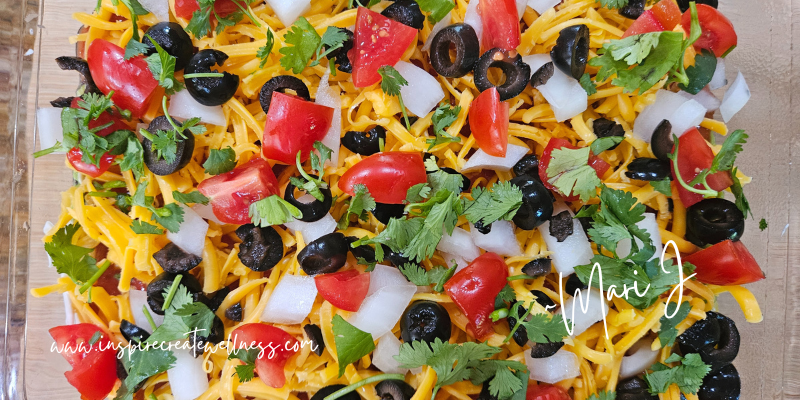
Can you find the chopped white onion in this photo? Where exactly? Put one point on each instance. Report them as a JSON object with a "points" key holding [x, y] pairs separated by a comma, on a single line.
{"points": [[556, 368], [473, 18], [436, 28], [500, 239], [450, 258], [669, 106], [704, 97], [573, 251], [312, 230], [521, 4], [735, 98], [69, 312], [564, 93], [461, 243], [159, 8], [383, 357], [206, 211], [291, 301], [330, 96], [650, 225], [48, 123], [718, 80], [191, 235], [383, 276], [583, 310], [138, 300], [183, 106], [688, 115], [542, 5], [380, 311], [187, 379], [289, 10], [480, 160], [640, 359], [423, 92]]}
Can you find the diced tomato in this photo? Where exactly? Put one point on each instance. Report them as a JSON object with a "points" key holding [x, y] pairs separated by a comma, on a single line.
{"points": [[668, 13], [232, 193], [185, 8], [75, 156], [344, 289], [94, 367], [546, 392], [116, 121], [278, 346], [474, 290], [293, 125], [725, 263], [378, 41], [388, 176], [646, 23], [500, 24], [694, 155], [130, 80], [718, 33], [595, 162], [488, 120]]}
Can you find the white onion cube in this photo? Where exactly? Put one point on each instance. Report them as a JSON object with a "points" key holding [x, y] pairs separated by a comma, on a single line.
{"points": [[584, 310], [380, 312], [480, 160], [291, 301], [556, 368], [383, 357], [735, 98], [191, 235], [461, 243], [423, 92], [330, 96], [289, 10], [313, 230], [159, 8], [650, 225], [573, 251], [718, 80], [48, 124], [384, 276], [183, 106], [187, 379], [500, 239]]}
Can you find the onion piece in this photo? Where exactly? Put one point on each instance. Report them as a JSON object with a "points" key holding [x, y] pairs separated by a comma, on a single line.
{"points": [[191, 235], [330, 96], [69, 312], [704, 97], [564, 94], [182, 106], [556, 368], [461, 243], [521, 5], [473, 18], [312, 230], [718, 80], [666, 106], [688, 115], [384, 276], [289, 10], [640, 359], [436, 28], [207, 212], [480, 160], [542, 5], [450, 258], [573, 251], [500, 239], [380, 311], [596, 308], [650, 225], [159, 8], [737, 95], [291, 301], [48, 125], [138, 300], [187, 380], [423, 92], [383, 357]]}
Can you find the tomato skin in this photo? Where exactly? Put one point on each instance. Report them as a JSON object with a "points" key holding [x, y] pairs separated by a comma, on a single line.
{"points": [[646, 23], [488, 120], [500, 24], [718, 33], [668, 13], [185, 8], [75, 155], [595, 162], [232, 193], [474, 289], [388, 176], [270, 338], [726, 263], [131, 80], [378, 41], [694, 155], [94, 371], [293, 125], [546, 392], [116, 121], [344, 289]]}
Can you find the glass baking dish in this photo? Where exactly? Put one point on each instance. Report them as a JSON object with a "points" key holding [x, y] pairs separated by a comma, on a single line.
{"points": [[769, 358]]}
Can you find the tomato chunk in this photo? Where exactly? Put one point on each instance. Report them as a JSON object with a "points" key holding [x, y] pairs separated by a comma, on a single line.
{"points": [[694, 155], [130, 80], [718, 33], [726, 263], [293, 125], [488, 120], [668, 13], [232, 193], [94, 367], [500, 24], [185, 8], [378, 41], [388, 176], [344, 289], [75, 157], [595, 162], [546, 392], [474, 289], [646, 23], [277, 347]]}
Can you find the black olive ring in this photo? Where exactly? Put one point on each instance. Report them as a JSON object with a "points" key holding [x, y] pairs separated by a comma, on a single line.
{"points": [[712, 221], [313, 211], [279, 84], [467, 49], [210, 91], [516, 71], [183, 151], [406, 12], [365, 143], [571, 52]]}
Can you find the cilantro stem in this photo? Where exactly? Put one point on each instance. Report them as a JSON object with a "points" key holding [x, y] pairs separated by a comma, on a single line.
{"points": [[152, 397], [204, 75], [101, 194], [95, 277], [169, 118], [519, 277], [519, 321], [149, 317], [403, 108], [353, 386], [303, 171], [171, 293], [247, 11], [499, 314], [674, 156], [46, 151]]}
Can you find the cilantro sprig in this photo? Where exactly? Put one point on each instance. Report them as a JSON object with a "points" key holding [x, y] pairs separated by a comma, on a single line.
{"points": [[74, 260], [220, 161], [540, 327], [436, 276], [165, 142], [360, 204], [569, 172], [688, 375], [391, 82], [351, 342], [273, 210], [304, 43], [443, 117], [200, 23], [169, 216], [265, 50], [307, 182], [501, 202], [245, 371]]}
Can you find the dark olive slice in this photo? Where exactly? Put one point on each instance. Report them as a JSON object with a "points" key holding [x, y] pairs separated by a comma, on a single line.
{"points": [[684, 4], [62, 102], [214, 300], [713, 220], [538, 267], [486, 393], [183, 153], [210, 91], [394, 389], [517, 73], [234, 312], [162, 282], [661, 142], [314, 333], [324, 255], [521, 334], [561, 226], [571, 51], [542, 75], [634, 389], [173, 39], [406, 12], [132, 333], [396, 258], [483, 228], [261, 248], [339, 56], [726, 349], [528, 165], [724, 384], [365, 143], [607, 128], [537, 205], [364, 251], [574, 284], [384, 212], [464, 40], [328, 390], [648, 169], [313, 211], [702, 333], [281, 83], [174, 260], [544, 350], [425, 321], [68, 63], [633, 9], [199, 339]]}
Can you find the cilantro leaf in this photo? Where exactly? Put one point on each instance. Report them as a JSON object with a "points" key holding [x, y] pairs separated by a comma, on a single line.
{"points": [[741, 202], [193, 197], [762, 225], [68, 258], [302, 41], [668, 333], [265, 50], [600, 145], [442, 210], [332, 39], [143, 362], [443, 117], [570, 173], [418, 193], [419, 276], [603, 395], [391, 81], [135, 9], [163, 143], [182, 317], [200, 23], [273, 210], [351, 343], [135, 48], [360, 204], [397, 235], [543, 328], [731, 147], [220, 161], [633, 49], [162, 65], [700, 73], [664, 187], [439, 179], [170, 217], [612, 4], [133, 158], [505, 377], [688, 375], [500, 203], [587, 84], [437, 9], [140, 227], [318, 161]]}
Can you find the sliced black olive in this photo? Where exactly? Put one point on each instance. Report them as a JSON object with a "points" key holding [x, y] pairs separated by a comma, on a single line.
{"points": [[485, 393], [394, 390], [538, 267], [281, 83], [364, 251], [132, 333], [396, 258], [544, 350], [210, 91], [339, 56], [482, 228], [365, 143], [384, 212], [406, 12], [542, 75], [722, 385], [648, 169], [521, 334], [313, 211], [543, 299], [467, 183], [607, 128], [314, 334], [528, 165], [68, 63], [561, 226], [574, 284], [425, 321], [713, 220], [517, 73], [162, 282], [199, 339], [173, 39], [327, 390], [537, 205], [634, 389], [705, 332], [62, 102], [214, 300], [261, 248], [633, 10], [661, 143], [684, 4], [464, 40], [324, 255], [183, 152], [174, 260], [234, 312], [725, 350], [571, 51], [586, 223]]}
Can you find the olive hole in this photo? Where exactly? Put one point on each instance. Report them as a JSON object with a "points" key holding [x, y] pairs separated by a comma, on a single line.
{"points": [[715, 216], [496, 76], [452, 52]]}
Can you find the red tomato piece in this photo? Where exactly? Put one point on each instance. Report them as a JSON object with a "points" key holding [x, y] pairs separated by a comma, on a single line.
{"points": [[726, 263], [344, 289], [488, 120], [500, 24], [546, 392], [388, 176], [75, 155], [718, 33], [232, 193], [474, 290], [185, 8], [116, 121], [131, 80], [94, 367], [378, 41], [646, 23], [595, 162], [668, 13], [278, 346], [293, 125], [694, 155]]}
